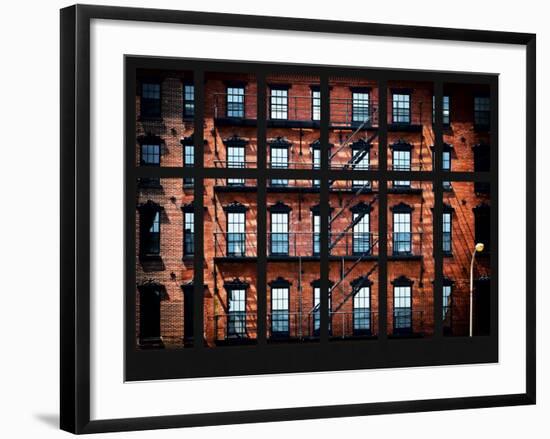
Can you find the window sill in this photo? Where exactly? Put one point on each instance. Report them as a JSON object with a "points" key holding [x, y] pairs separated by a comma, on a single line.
{"points": [[150, 258], [150, 119], [405, 127], [404, 190], [149, 185]]}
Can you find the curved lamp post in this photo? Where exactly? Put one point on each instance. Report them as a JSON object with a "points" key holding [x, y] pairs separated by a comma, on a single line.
{"points": [[478, 248]]}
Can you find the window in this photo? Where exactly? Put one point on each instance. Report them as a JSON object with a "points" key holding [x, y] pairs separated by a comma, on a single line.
{"points": [[149, 313], [150, 229], [482, 111], [188, 312], [361, 229], [482, 163], [280, 316], [279, 160], [316, 225], [188, 100], [446, 165], [447, 290], [447, 300], [279, 233], [402, 306], [447, 243], [150, 155], [316, 219], [236, 234], [402, 237], [235, 101], [150, 100], [401, 158], [317, 306], [360, 161], [236, 311], [315, 104], [188, 158], [316, 160], [361, 306], [279, 103], [188, 231], [360, 107], [401, 106], [446, 110], [236, 159], [482, 216]]}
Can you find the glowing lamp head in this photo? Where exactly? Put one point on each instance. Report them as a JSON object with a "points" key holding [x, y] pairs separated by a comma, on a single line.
{"points": [[479, 247]]}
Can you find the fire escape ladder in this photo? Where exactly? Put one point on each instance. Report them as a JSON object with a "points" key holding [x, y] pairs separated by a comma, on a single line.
{"points": [[352, 135], [356, 288], [344, 276], [356, 158], [351, 200], [354, 222], [346, 229]]}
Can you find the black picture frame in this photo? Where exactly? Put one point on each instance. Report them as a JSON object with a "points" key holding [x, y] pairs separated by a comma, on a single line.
{"points": [[75, 218]]}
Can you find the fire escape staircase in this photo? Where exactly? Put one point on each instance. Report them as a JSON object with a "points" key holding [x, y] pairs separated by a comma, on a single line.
{"points": [[356, 221], [355, 159], [356, 288], [360, 257], [360, 155]]}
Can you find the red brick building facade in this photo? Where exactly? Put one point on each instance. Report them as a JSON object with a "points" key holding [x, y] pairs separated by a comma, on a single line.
{"points": [[165, 213]]}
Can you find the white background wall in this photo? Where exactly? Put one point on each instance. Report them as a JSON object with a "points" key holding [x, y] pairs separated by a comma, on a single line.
{"points": [[29, 193]]}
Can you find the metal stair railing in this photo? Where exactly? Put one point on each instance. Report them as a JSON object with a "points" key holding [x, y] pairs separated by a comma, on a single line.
{"points": [[350, 225], [356, 158], [352, 135], [351, 200], [356, 288], [348, 271]]}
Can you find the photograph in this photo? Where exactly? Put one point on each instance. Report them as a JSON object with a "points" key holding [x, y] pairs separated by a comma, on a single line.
{"points": [[165, 220]]}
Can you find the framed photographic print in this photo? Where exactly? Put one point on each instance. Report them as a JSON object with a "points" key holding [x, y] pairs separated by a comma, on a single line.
{"points": [[294, 219]]}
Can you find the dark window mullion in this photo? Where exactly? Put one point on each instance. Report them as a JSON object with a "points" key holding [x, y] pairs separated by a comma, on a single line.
{"points": [[438, 210], [383, 213], [324, 208], [261, 217], [198, 204]]}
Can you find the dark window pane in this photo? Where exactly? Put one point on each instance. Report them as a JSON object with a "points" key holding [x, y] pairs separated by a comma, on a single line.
{"points": [[482, 111], [150, 100]]}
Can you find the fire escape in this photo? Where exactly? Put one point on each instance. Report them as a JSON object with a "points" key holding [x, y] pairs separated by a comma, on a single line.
{"points": [[355, 160]]}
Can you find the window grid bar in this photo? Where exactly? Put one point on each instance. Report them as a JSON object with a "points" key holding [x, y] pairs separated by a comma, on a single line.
{"points": [[324, 206], [383, 214], [438, 211], [198, 204], [308, 174], [261, 219]]}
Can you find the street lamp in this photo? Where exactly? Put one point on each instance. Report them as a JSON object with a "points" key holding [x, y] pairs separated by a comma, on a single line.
{"points": [[478, 248]]}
